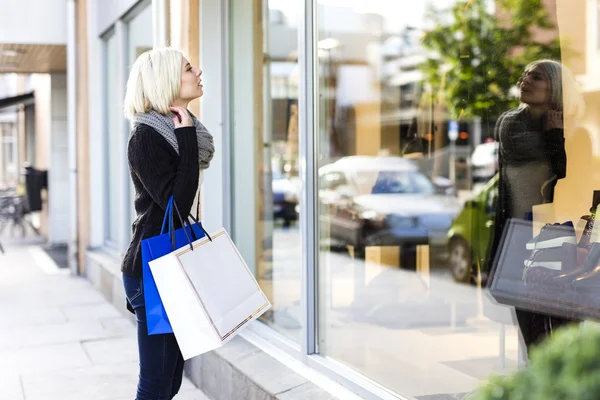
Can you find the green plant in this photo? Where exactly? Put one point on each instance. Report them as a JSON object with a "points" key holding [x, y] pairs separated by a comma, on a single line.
{"points": [[565, 366]]}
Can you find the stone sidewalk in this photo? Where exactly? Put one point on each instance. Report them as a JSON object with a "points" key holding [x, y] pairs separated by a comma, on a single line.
{"points": [[59, 338]]}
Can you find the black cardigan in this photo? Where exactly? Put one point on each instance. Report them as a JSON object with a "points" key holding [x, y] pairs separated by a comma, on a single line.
{"points": [[158, 172]]}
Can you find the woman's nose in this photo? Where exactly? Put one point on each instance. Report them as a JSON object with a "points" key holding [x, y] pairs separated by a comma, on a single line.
{"points": [[198, 72]]}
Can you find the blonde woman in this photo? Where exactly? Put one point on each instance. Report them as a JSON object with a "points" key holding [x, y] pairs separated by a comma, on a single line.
{"points": [[168, 148]]}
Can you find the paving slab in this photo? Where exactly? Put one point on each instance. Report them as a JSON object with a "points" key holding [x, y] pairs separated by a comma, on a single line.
{"points": [[61, 340]]}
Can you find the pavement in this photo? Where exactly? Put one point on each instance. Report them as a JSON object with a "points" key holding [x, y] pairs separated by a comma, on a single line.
{"points": [[59, 338]]}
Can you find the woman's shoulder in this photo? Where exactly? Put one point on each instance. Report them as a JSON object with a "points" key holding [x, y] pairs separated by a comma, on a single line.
{"points": [[144, 137], [142, 133], [141, 129], [515, 113]]}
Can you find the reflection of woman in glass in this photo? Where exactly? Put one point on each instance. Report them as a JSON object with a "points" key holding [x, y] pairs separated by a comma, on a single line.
{"points": [[532, 159]]}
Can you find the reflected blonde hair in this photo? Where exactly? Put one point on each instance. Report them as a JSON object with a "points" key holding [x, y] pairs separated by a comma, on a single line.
{"points": [[564, 93], [154, 82]]}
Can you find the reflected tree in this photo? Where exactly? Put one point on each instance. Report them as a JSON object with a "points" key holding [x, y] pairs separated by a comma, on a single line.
{"points": [[480, 48]]}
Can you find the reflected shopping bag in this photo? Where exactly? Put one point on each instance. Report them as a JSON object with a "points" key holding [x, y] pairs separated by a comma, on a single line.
{"points": [[156, 247], [209, 293], [506, 275], [522, 278]]}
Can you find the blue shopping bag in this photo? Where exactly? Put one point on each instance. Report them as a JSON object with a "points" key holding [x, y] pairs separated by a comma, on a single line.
{"points": [[156, 247]]}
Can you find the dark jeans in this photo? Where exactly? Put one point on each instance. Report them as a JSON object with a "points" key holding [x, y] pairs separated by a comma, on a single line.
{"points": [[536, 327], [161, 362]]}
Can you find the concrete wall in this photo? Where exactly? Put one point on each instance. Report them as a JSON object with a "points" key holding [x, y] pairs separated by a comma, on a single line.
{"points": [[49, 17]]}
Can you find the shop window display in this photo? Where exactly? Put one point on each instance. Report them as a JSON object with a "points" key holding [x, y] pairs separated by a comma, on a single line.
{"points": [[456, 206]]}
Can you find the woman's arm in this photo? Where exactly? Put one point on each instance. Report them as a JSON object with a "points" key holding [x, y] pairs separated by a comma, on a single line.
{"points": [[162, 173], [499, 214], [554, 137]]}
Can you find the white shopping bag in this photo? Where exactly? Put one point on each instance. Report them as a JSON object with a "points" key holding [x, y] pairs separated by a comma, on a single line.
{"points": [[209, 293]]}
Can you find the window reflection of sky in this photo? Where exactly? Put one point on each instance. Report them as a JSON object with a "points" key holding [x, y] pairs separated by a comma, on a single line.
{"points": [[397, 13]]}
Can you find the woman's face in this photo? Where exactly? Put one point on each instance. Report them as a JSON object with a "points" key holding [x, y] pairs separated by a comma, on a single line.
{"points": [[535, 88], [191, 86]]}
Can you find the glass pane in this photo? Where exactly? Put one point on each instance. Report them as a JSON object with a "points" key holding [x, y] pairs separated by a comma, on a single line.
{"points": [[139, 40], [114, 118], [279, 265], [418, 103], [140, 34]]}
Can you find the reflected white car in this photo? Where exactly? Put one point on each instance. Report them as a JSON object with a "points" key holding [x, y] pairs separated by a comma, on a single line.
{"points": [[484, 161], [377, 201]]}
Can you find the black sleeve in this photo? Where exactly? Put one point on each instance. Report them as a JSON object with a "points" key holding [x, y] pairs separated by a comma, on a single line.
{"points": [[500, 206], [500, 214], [161, 171], [555, 143]]}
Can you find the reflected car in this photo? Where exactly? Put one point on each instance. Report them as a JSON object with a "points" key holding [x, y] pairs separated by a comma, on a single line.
{"points": [[285, 198], [484, 161], [470, 235], [379, 201]]}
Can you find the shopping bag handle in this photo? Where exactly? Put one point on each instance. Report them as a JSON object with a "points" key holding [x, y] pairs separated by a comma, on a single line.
{"points": [[185, 224], [172, 226], [200, 225], [169, 216], [167, 213]]}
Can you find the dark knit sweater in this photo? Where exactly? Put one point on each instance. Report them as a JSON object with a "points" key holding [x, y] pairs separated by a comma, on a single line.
{"points": [[522, 146], [158, 172]]}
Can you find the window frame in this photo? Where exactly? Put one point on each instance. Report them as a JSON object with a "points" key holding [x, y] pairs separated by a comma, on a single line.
{"points": [[122, 216]]}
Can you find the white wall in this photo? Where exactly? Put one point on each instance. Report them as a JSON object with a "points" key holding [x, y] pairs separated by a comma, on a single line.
{"points": [[108, 11], [8, 85], [244, 160], [102, 15], [212, 48], [58, 172], [33, 21], [96, 127]]}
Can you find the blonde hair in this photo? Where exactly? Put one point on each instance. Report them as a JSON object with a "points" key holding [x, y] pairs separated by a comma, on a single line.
{"points": [[154, 82], [564, 93]]}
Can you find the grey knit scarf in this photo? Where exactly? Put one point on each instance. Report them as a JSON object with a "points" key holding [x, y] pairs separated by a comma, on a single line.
{"points": [[166, 128], [520, 141]]}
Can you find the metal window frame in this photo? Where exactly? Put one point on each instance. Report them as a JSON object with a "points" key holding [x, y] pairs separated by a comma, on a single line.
{"points": [[227, 113], [308, 103]]}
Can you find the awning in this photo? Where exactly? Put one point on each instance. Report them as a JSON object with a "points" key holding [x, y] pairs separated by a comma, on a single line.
{"points": [[25, 99]]}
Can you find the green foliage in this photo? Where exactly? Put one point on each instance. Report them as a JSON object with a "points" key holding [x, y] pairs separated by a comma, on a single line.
{"points": [[481, 56], [566, 366]]}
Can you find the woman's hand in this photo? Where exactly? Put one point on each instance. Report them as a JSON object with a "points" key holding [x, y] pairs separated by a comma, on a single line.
{"points": [[181, 117], [554, 120]]}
